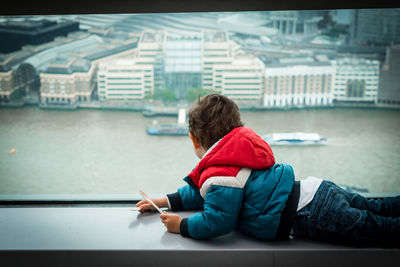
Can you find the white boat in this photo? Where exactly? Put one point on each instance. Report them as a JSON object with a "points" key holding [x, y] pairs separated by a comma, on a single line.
{"points": [[296, 138], [179, 128]]}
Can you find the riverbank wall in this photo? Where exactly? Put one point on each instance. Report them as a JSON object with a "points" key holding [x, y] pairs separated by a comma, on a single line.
{"points": [[172, 110]]}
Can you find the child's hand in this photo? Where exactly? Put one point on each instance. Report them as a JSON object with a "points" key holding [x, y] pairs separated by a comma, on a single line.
{"points": [[172, 221], [144, 205]]}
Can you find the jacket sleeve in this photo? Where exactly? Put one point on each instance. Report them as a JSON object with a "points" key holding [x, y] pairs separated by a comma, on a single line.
{"points": [[221, 211], [185, 199]]}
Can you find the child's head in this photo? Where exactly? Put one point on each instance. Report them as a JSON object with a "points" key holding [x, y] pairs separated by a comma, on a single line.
{"points": [[211, 118]]}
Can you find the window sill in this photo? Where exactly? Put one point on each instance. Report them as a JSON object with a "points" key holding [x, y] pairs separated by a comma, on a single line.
{"points": [[116, 236]]}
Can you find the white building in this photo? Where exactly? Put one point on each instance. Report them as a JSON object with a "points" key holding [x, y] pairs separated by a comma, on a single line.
{"points": [[298, 85], [151, 43], [242, 80], [124, 80], [130, 76], [356, 80], [215, 51], [227, 70]]}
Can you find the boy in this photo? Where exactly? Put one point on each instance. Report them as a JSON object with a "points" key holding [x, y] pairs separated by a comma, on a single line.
{"points": [[239, 186]]}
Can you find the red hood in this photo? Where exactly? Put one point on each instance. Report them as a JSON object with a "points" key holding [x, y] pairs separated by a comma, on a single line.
{"points": [[241, 147]]}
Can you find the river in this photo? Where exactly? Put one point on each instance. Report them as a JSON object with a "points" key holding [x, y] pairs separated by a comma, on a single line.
{"points": [[109, 152]]}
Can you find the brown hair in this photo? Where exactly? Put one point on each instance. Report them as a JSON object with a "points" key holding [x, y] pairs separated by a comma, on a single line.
{"points": [[212, 117]]}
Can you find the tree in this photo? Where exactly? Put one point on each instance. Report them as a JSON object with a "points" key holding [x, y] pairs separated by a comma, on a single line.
{"points": [[16, 95], [165, 95], [194, 93]]}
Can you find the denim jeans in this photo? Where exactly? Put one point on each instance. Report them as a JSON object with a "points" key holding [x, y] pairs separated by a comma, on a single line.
{"points": [[337, 216]]}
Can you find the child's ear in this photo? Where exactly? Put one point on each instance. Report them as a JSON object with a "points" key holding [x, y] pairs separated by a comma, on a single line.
{"points": [[195, 143]]}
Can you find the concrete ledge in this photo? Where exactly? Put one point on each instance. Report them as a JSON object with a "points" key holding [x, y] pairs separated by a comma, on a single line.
{"points": [[197, 258], [116, 236]]}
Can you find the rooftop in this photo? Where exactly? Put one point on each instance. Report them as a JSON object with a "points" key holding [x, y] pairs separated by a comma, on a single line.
{"points": [[215, 36], [68, 66], [152, 37], [354, 61], [50, 56], [297, 64], [8, 61], [25, 25]]}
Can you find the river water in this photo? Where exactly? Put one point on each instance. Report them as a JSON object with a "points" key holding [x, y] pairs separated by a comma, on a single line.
{"points": [[109, 152]]}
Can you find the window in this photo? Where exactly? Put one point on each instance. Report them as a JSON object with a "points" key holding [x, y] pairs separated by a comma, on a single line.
{"points": [[83, 149], [355, 88]]}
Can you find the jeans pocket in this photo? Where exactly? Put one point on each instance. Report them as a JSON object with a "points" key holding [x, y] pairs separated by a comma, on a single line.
{"points": [[337, 216]]}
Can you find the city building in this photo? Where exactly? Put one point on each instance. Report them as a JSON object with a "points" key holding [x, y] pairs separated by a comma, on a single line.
{"points": [[355, 80], [15, 76], [66, 81], [151, 50], [375, 26], [76, 61], [242, 79], [216, 50], [124, 80], [183, 64], [303, 22], [14, 34], [229, 71], [298, 84], [7, 85], [151, 43], [389, 83], [62, 71]]}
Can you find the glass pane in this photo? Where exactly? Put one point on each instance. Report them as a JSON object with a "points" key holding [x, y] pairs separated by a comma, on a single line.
{"points": [[76, 106]]}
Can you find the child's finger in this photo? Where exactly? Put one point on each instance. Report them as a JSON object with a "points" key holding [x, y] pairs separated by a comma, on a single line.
{"points": [[164, 215], [141, 202], [145, 207]]}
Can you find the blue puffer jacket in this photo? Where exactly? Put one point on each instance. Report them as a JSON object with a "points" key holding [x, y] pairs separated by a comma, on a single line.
{"points": [[238, 186]]}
